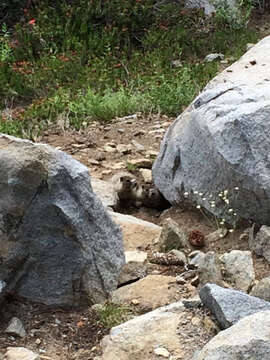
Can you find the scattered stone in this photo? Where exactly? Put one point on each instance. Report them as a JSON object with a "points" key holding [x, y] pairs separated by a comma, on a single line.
{"points": [[212, 57], [141, 163], [163, 352], [20, 353], [138, 146], [146, 175], [152, 291], [138, 338], [117, 166], [100, 156], [135, 267], [192, 303], [157, 131], [196, 257], [260, 243], [239, 270], [106, 172], [93, 162], [121, 131], [124, 148], [109, 148], [248, 339], [15, 327], [228, 305], [137, 233], [135, 256], [209, 269], [139, 133], [172, 236], [262, 289], [132, 271]]}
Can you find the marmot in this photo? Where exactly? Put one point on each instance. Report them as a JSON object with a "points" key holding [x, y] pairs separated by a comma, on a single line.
{"points": [[131, 192]]}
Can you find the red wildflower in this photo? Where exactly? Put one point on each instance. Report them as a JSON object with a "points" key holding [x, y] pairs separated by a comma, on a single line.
{"points": [[32, 22]]}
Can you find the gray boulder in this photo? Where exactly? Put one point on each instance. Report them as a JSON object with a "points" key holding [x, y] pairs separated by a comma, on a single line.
{"points": [[58, 246], [229, 306], [222, 142], [248, 339]]}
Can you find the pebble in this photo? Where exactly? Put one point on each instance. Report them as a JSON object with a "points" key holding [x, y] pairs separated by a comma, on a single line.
{"points": [[141, 163], [137, 145], [146, 175], [15, 327], [124, 149], [161, 351]]}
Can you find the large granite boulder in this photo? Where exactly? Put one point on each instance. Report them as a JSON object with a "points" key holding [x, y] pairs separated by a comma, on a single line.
{"points": [[221, 142], [58, 245]]}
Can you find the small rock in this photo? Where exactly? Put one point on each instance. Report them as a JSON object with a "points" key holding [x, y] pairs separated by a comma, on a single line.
{"points": [[209, 269], [172, 236], [38, 342], [152, 153], [20, 353], [135, 256], [138, 146], [124, 148], [262, 289], [100, 156], [161, 351], [118, 166], [139, 132], [106, 172], [192, 303], [109, 149], [146, 175], [141, 163], [239, 270], [15, 327], [157, 131], [260, 243], [121, 131], [212, 57]]}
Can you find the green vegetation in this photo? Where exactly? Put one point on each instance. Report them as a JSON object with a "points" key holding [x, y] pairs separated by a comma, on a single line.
{"points": [[111, 314], [77, 61]]}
